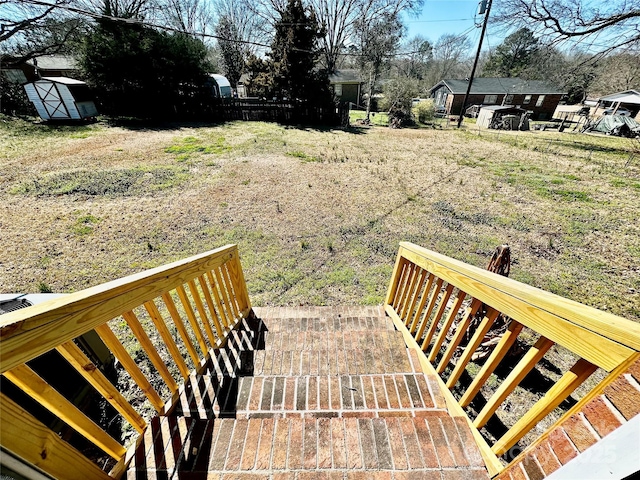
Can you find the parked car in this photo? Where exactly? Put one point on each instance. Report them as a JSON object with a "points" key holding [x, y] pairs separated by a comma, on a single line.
{"points": [[621, 111]]}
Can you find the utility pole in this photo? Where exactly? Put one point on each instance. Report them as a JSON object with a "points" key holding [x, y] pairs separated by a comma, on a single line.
{"points": [[483, 3]]}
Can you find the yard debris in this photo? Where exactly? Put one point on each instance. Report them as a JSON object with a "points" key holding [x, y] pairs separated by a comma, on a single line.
{"points": [[499, 263], [617, 125]]}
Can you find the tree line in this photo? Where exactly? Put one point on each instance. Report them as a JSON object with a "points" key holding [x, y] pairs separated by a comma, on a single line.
{"points": [[135, 52]]}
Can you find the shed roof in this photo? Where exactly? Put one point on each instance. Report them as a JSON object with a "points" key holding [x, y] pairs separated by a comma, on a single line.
{"points": [[503, 108], [500, 86], [630, 96], [63, 80]]}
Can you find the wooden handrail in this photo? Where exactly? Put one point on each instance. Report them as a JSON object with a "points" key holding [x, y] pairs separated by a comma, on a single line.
{"points": [[212, 299], [425, 312], [29, 332]]}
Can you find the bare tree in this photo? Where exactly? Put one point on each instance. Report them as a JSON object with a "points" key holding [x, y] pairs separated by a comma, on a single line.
{"points": [[340, 18], [450, 58], [29, 30], [415, 58], [189, 16], [611, 25], [248, 20]]}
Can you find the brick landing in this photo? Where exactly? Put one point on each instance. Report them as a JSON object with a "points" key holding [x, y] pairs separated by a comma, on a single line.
{"points": [[310, 393]]}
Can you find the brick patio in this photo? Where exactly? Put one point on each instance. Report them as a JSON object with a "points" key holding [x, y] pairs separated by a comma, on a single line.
{"points": [[310, 393]]}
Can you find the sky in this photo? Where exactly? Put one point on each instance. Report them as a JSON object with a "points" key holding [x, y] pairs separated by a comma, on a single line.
{"points": [[439, 17]]}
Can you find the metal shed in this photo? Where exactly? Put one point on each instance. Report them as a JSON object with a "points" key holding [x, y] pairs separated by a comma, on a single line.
{"points": [[61, 98], [488, 114], [221, 86]]}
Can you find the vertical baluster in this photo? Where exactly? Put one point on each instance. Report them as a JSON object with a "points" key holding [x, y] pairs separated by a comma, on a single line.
{"points": [[195, 294], [186, 304], [212, 310], [436, 318], [461, 330], [557, 394], [177, 320], [240, 285], [427, 313], [38, 389], [524, 366], [394, 284], [225, 297], [229, 285], [423, 301], [508, 339], [85, 367], [416, 293], [147, 346], [411, 277], [402, 283], [158, 321], [216, 296], [111, 341], [406, 302], [447, 325], [478, 335]]}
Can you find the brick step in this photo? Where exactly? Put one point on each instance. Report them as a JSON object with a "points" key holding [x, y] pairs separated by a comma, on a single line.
{"points": [[231, 362], [206, 396], [345, 448], [318, 312], [342, 324], [314, 340]]}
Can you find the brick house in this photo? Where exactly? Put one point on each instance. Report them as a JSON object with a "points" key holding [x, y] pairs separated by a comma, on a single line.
{"points": [[537, 96]]}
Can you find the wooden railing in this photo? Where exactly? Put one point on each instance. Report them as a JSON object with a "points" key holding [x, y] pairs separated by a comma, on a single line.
{"points": [[433, 299], [189, 305]]}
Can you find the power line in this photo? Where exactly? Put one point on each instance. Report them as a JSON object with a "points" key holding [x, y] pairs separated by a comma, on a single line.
{"points": [[139, 22]]}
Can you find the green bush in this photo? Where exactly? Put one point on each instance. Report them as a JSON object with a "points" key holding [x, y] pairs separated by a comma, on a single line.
{"points": [[424, 111]]}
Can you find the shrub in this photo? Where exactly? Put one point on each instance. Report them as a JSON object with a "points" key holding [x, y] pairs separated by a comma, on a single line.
{"points": [[424, 111]]}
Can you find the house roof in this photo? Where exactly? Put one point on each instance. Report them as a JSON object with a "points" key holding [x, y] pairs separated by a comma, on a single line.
{"points": [[630, 96], [346, 76], [500, 86], [55, 62]]}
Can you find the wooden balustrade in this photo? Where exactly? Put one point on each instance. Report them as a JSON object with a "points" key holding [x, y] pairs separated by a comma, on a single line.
{"points": [[200, 299], [435, 300]]}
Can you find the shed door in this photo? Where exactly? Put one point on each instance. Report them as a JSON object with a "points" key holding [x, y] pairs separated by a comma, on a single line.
{"points": [[52, 100]]}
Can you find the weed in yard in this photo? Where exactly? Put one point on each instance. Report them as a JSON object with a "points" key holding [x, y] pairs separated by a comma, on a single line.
{"points": [[84, 224], [44, 288], [191, 145], [129, 181]]}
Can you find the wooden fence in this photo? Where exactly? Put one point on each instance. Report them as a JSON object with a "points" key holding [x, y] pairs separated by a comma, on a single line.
{"points": [[286, 112], [434, 299], [190, 305]]}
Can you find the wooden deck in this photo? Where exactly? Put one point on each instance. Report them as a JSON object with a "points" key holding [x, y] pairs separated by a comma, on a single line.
{"points": [[306, 393]]}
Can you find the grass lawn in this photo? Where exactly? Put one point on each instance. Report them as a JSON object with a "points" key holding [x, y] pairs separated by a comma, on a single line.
{"points": [[380, 119], [318, 214]]}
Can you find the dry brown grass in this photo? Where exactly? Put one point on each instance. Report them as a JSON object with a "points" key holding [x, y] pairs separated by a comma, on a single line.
{"points": [[317, 214]]}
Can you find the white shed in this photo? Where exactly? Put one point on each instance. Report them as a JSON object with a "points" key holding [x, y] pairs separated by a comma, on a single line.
{"points": [[61, 98]]}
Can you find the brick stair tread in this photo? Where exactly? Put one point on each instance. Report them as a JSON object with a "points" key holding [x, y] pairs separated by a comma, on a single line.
{"points": [[397, 448], [313, 340], [319, 312], [230, 362], [207, 396]]}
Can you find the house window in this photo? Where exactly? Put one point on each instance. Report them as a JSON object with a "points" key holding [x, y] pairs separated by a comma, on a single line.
{"points": [[540, 100], [338, 89], [508, 99], [527, 99], [490, 99]]}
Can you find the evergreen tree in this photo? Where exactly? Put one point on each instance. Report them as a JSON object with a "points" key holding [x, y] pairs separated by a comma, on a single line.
{"points": [[513, 55], [290, 71], [138, 71], [232, 50]]}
